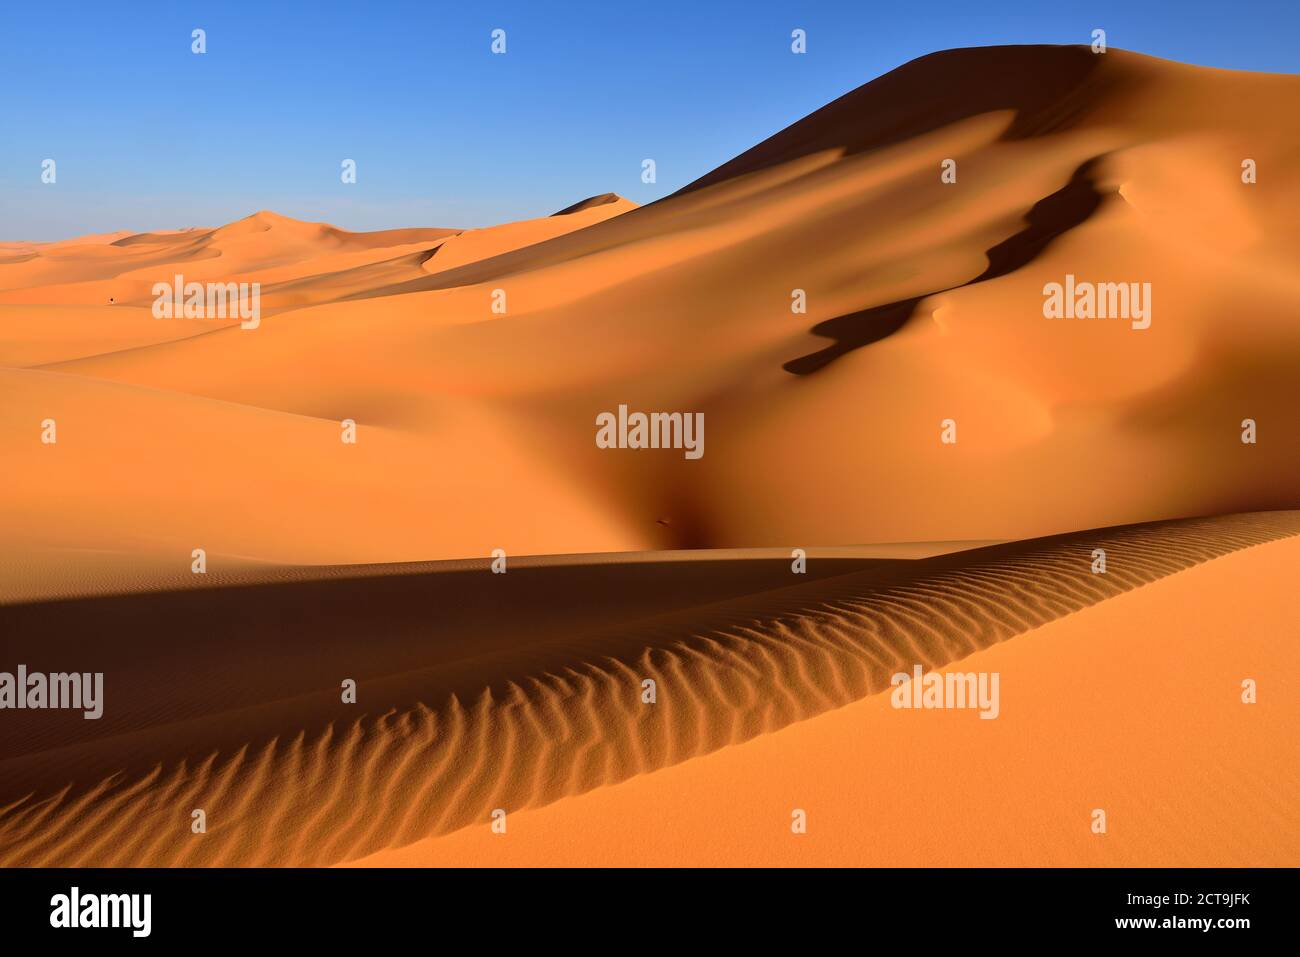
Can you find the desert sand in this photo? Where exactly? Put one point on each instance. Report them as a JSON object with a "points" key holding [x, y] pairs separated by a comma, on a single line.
{"points": [[479, 692], [1147, 730], [474, 362]]}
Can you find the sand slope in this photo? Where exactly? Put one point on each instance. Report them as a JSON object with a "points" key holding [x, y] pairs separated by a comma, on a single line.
{"points": [[924, 302], [1131, 705], [481, 691], [474, 364]]}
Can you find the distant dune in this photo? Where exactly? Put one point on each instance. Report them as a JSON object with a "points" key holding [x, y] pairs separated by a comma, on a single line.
{"points": [[604, 199], [473, 364]]}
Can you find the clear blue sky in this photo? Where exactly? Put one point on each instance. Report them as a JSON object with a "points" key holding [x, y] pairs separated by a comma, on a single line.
{"points": [[148, 135]]}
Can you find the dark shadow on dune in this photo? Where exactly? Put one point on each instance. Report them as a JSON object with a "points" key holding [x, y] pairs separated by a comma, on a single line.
{"points": [[1069, 207], [854, 330], [1045, 86], [235, 640], [478, 691]]}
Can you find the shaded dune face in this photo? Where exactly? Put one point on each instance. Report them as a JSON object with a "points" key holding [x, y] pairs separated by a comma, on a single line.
{"points": [[1049, 218], [1046, 88], [503, 707]]}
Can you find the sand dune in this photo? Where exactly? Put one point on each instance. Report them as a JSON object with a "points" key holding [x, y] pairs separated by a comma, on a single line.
{"points": [[1131, 705], [474, 362], [924, 303], [499, 698]]}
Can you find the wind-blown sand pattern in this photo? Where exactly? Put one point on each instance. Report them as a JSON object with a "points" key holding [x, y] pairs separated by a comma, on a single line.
{"points": [[452, 728], [1131, 705], [329, 561]]}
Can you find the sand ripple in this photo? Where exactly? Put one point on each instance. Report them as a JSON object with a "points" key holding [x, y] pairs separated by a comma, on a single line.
{"points": [[290, 782]]}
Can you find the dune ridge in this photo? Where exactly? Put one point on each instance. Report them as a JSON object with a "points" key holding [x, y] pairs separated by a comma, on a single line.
{"points": [[530, 722], [1133, 705], [825, 301], [496, 348]]}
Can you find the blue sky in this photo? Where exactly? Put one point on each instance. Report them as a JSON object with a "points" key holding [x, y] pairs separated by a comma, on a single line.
{"points": [[148, 135]]}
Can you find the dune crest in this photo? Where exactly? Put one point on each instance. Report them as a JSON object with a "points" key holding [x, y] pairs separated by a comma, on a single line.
{"points": [[922, 302], [1098, 708], [604, 199], [857, 307], [445, 733]]}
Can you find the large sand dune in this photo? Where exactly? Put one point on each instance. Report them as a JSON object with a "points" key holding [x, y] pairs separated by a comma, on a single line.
{"points": [[924, 302], [474, 364]]}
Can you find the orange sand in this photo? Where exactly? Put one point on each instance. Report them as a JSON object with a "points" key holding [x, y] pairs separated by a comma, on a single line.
{"points": [[475, 431], [479, 691], [1132, 705]]}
